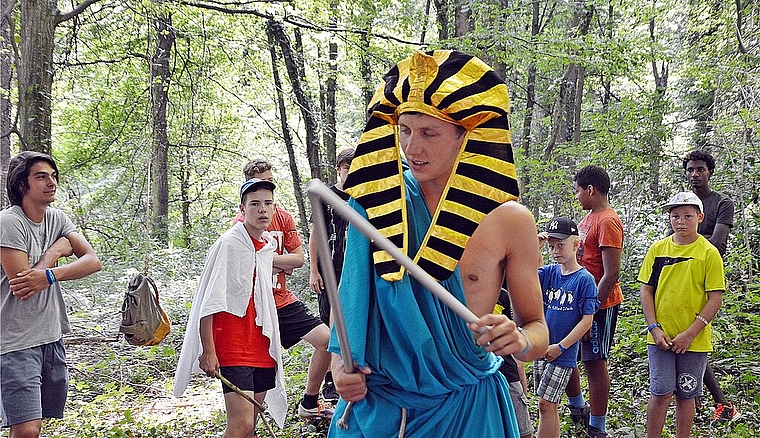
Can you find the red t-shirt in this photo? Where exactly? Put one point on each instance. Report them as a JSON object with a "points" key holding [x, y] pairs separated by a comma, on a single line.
{"points": [[596, 230], [239, 341], [283, 229]]}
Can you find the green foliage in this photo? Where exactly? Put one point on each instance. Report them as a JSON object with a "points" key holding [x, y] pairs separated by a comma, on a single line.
{"points": [[118, 390], [222, 112]]}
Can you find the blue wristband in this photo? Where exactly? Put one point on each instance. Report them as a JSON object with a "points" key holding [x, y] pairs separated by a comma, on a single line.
{"points": [[50, 276], [652, 327], [561, 348]]}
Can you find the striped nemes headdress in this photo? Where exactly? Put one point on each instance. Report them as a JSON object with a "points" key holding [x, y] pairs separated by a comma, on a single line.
{"points": [[457, 88]]}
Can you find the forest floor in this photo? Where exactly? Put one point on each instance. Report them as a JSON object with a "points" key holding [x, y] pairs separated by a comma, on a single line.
{"points": [[117, 390]]}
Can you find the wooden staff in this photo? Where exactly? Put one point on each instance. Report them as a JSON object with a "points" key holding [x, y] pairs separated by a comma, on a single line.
{"points": [[256, 404]]}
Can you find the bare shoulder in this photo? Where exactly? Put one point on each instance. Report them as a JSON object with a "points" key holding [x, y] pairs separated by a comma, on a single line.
{"points": [[507, 226], [506, 222]]}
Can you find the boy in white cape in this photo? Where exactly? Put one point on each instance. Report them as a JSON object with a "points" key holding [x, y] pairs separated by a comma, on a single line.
{"points": [[232, 326]]}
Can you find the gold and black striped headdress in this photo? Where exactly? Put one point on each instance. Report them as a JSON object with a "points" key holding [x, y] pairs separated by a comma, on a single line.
{"points": [[459, 89]]}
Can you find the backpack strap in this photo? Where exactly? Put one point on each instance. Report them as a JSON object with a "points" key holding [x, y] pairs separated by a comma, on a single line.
{"points": [[155, 288]]}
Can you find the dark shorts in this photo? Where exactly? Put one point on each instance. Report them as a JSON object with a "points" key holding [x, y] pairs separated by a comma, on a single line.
{"points": [[324, 307], [296, 321], [249, 378], [33, 383], [600, 342], [679, 373]]}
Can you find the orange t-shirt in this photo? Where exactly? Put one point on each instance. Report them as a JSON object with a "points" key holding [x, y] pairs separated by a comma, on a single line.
{"points": [[283, 229], [597, 230], [239, 341]]}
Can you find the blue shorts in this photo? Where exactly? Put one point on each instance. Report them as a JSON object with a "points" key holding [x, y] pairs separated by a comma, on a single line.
{"points": [[680, 373], [550, 380], [33, 383], [599, 344]]}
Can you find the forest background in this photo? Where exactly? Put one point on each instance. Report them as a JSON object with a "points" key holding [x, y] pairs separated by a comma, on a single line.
{"points": [[152, 107]]}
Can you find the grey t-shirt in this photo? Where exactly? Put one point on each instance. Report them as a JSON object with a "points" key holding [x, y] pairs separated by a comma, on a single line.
{"points": [[41, 319]]}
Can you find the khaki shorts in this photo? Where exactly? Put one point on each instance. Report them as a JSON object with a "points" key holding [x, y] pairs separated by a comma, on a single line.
{"points": [[520, 403]]}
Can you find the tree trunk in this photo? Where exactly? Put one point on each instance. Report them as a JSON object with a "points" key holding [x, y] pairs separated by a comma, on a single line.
{"points": [[577, 103], [442, 10], [657, 129], [304, 103], [6, 73], [184, 187], [159, 98], [35, 73], [530, 103], [607, 80], [368, 84], [462, 19], [286, 131], [566, 121], [34, 64], [329, 132], [423, 33]]}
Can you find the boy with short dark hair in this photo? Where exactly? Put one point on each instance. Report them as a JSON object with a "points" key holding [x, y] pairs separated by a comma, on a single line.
{"points": [[33, 316], [570, 302], [601, 235], [682, 290], [233, 326], [336, 226], [297, 322]]}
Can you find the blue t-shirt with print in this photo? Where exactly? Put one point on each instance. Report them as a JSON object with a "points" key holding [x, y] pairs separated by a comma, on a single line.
{"points": [[566, 299]]}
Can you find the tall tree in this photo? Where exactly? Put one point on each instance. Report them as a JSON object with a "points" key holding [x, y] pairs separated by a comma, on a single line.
{"points": [[160, 76], [566, 120], [654, 140], [329, 131], [6, 72], [39, 19], [526, 139], [277, 36], [296, 75]]}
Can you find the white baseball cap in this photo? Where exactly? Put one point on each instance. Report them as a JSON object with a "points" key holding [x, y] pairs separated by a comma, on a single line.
{"points": [[684, 198]]}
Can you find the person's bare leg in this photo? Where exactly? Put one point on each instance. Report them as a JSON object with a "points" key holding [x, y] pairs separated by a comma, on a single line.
{"points": [[657, 409], [711, 383], [598, 386], [241, 414], [548, 420], [27, 429], [685, 409], [574, 385], [319, 363]]}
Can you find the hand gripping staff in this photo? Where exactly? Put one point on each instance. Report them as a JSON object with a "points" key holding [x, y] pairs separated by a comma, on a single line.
{"points": [[320, 194]]}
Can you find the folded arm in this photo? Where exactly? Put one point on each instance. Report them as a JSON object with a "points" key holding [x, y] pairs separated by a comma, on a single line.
{"points": [[25, 282]]}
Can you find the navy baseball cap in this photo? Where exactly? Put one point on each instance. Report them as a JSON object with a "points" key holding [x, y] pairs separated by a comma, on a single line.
{"points": [[255, 183], [561, 228]]}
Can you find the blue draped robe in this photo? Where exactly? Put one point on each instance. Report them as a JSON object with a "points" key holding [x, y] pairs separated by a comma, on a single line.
{"points": [[422, 355]]}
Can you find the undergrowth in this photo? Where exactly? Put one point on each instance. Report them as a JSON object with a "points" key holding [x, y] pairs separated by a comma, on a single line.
{"points": [[121, 391]]}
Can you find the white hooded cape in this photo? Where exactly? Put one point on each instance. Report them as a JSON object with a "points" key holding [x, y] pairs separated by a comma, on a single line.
{"points": [[225, 286]]}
